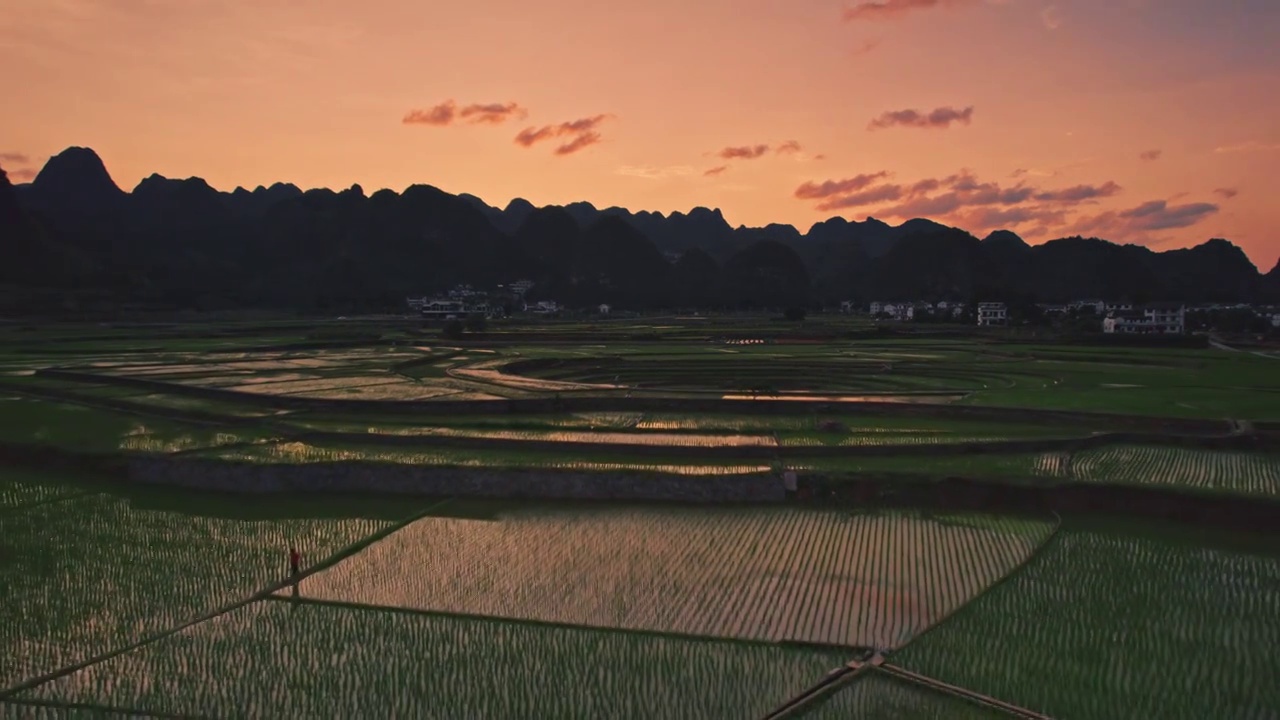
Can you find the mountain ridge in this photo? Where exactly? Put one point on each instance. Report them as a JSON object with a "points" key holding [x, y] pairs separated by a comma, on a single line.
{"points": [[425, 238]]}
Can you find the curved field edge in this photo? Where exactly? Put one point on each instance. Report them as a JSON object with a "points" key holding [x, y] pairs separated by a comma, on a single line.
{"points": [[1108, 622]]}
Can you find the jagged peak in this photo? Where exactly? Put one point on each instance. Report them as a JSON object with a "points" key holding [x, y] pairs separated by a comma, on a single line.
{"points": [[76, 170]]}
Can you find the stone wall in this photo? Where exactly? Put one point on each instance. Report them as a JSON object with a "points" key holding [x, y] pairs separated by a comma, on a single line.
{"points": [[393, 478]]}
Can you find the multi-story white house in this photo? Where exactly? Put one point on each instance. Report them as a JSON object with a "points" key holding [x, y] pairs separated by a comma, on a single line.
{"points": [[992, 314], [1156, 318], [1168, 318]]}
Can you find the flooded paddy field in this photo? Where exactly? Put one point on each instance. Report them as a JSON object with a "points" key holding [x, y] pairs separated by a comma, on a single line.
{"points": [[154, 601], [827, 578]]}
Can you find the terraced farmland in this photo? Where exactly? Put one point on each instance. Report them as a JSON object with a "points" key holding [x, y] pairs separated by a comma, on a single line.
{"points": [[1116, 625], [91, 573], [280, 659], [1247, 473], [829, 578], [299, 452]]}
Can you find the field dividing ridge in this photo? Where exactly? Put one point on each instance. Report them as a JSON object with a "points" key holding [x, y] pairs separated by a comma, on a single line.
{"points": [[327, 562]]}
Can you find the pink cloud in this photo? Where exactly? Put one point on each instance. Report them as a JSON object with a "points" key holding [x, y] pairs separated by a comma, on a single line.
{"points": [[440, 115], [939, 118], [715, 170], [1226, 193], [1149, 155], [743, 152], [829, 188], [475, 113], [583, 131]]}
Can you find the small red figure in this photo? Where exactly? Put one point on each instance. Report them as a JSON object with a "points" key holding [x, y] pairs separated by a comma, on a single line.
{"points": [[294, 560]]}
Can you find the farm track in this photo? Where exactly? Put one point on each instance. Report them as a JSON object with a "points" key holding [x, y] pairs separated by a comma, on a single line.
{"points": [[8, 693]]}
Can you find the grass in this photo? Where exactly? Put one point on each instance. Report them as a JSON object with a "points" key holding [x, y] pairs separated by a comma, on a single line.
{"points": [[829, 578], [279, 659], [876, 695], [89, 573], [302, 453], [1120, 624]]}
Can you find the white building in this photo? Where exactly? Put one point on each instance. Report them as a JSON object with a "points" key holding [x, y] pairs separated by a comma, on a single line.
{"points": [[603, 309], [520, 287], [1168, 318], [447, 309], [1156, 318], [544, 307], [992, 314]]}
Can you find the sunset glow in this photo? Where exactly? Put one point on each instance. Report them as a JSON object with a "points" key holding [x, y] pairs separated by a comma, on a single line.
{"points": [[1145, 121]]}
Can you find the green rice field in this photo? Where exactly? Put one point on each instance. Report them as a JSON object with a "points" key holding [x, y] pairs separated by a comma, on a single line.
{"points": [[123, 600], [83, 574], [1108, 623], [278, 659]]}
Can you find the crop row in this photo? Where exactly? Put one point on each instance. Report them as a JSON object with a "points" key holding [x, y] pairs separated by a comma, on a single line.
{"points": [[89, 574], [298, 452], [19, 489], [877, 695], [768, 574], [569, 436], [1251, 473], [277, 659], [1111, 625]]}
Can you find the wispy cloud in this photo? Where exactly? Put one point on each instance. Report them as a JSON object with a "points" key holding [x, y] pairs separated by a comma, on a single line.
{"points": [[21, 175], [476, 114], [789, 147], [493, 113], [1250, 146], [584, 133], [961, 199], [830, 188], [582, 140], [712, 172], [1149, 155], [1032, 172], [15, 158], [1136, 223], [942, 117], [1051, 17], [650, 172], [1226, 193], [866, 46], [743, 152], [892, 9]]}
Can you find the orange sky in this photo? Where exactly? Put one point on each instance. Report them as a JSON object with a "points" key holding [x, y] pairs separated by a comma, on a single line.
{"points": [[1066, 98]]}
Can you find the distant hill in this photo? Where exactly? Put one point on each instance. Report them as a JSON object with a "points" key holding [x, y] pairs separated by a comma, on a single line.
{"points": [[183, 242]]}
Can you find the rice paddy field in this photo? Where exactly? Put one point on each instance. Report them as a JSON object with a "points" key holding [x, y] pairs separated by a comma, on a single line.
{"points": [[827, 578], [85, 572], [1106, 622], [163, 602]]}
